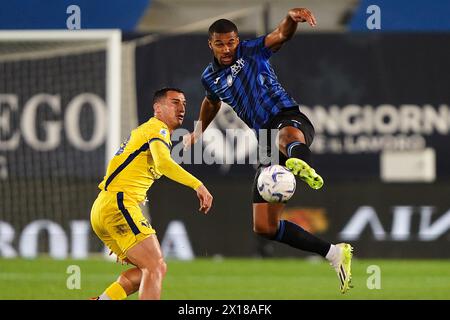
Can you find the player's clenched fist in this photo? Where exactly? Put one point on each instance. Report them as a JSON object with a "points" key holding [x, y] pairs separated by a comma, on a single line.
{"points": [[302, 15]]}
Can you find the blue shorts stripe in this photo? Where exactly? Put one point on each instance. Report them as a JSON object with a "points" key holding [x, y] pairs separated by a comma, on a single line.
{"points": [[126, 214]]}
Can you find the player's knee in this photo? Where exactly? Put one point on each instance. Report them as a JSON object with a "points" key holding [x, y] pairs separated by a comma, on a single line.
{"points": [[283, 142], [264, 230], [156, 268], [287, 136], [162, 268]]}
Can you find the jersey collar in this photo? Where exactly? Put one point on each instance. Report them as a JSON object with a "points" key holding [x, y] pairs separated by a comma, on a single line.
{"points": [[163, 124]]}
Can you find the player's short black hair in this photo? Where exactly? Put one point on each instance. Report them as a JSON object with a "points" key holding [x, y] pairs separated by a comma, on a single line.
{"points": [[222, 26], [161, 93]]}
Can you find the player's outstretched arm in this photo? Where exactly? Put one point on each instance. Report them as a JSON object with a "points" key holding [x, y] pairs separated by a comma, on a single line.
{"points": [[288, 26], [208, 111], [172, 170]]}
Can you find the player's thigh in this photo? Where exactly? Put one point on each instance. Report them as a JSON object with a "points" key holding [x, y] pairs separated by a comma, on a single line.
{"points": [[146, 254], [97, 214], [126, 225], [287, 135], [266, 217], [294, 126]]}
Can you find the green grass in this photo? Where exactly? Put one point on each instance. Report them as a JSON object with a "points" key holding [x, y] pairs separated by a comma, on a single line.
{"points": [[232, 279]]}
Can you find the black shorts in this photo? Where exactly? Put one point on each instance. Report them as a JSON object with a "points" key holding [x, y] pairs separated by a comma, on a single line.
{"points": [[291, 117]]}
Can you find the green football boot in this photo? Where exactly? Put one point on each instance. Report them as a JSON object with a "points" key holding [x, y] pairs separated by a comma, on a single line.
{"points": [[301, 169]]}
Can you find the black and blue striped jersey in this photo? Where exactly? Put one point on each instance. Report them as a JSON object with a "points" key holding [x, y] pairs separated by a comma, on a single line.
{"points": [[249, 85]]}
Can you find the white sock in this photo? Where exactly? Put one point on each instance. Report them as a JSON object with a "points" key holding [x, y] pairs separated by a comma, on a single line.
{"points": [[333, 254], [104, 296]]}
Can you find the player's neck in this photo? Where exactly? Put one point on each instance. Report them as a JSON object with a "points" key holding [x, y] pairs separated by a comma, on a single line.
{"points": [[159, 118], [219, 66]]}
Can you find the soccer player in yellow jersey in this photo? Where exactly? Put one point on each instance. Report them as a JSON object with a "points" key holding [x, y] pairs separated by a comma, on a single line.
{"points": [[116, 217]]}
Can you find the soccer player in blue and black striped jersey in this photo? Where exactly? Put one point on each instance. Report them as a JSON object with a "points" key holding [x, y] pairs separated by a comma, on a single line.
{"points": [[241, 76]]}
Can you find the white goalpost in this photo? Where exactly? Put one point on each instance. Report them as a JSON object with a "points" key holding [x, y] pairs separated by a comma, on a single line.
{"points": [[60, 124], [109, 39]]}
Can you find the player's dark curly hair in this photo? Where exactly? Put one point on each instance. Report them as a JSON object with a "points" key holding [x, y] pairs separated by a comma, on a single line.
{"points": [[222, 26], [161, 93]]}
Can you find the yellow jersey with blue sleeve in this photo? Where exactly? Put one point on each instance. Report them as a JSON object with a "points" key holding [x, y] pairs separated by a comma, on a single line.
{"points": [[143, 158], [116, 217]]}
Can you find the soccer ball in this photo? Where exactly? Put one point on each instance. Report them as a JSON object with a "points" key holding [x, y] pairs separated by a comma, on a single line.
{"points": [[276, 184]]}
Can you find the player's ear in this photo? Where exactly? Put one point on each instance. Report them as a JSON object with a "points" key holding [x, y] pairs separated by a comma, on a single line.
{"points": [[156, 107], [210, 44]]}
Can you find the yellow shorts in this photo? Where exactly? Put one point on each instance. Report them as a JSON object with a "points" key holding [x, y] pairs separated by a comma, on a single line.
{"points": [[118, 222]]}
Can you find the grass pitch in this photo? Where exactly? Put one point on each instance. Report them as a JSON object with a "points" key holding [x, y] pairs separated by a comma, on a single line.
{"points": [[234, 279]]}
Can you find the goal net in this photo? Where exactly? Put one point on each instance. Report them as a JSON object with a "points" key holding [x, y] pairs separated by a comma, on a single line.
{"points": [[60, 98]]}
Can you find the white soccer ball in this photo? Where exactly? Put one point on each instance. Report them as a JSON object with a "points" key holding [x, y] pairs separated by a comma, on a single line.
{"points": [[276, 184]]}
